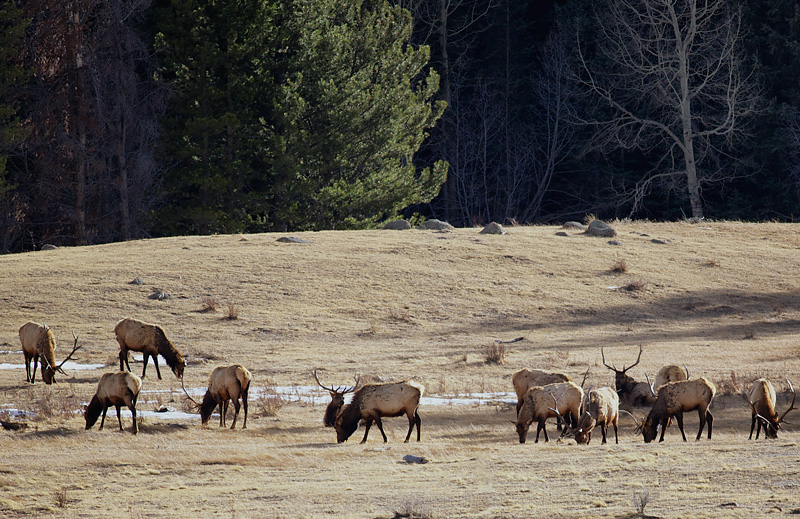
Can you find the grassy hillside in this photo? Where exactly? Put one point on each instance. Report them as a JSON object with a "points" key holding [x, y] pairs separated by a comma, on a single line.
{"points": [[719, 297]]}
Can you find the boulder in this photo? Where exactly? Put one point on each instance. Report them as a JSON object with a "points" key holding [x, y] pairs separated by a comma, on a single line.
{"points": [[436, 225], [601, 229], [574, 225], [398, 225], [292, 239], [493, 228]]}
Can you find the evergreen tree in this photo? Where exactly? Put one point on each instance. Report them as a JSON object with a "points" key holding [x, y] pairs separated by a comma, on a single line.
{"points": [[358, 101]]}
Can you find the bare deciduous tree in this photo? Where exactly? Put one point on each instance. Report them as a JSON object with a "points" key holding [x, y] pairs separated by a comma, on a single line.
{"points": [[673, 74]]}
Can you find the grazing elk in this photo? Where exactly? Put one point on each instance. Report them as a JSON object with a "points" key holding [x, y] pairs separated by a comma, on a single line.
{"points": [[674, 399], [337, 400], [229, 383], [38, 343], [115, 389], [637, 393], [150, 339], [761, 396], [525, 379], [374, 401], [601, 410], [670, 373], [538, 406]]}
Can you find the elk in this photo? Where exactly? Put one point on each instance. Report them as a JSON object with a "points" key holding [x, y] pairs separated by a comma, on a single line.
{"points": [[602, 409], [150, 339], [227, 383], [115, 389], [38, 342], [638, 393], [674, 399], [374, 401], [525, 379], [670, 373], [567, 397], [337, 400], [761, 397]]}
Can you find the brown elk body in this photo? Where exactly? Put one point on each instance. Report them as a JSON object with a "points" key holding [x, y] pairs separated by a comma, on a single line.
{"points": [[115, 389], [543, 402], [151, 341], [676, 398], [228, 383], [525, 379], [762, 398], [670, 373], [602, 409], [637, 393], [38, 343], [374, 401]]}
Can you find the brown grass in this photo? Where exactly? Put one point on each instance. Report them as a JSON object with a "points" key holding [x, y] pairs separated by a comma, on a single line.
{"points": [[209, 304], [620, 266], [331, 304], [495, 353]]}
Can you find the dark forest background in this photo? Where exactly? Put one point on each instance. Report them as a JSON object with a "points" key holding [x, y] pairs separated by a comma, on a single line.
{"points": [[123, 119]]}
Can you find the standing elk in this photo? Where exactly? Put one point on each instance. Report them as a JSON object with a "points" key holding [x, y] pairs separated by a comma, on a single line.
{"points": [[674, 399], [525, 379], [150, 339], [601, 410], [115, 389], [761, 397], [38, 343], [337, 400], [229, 383], [374, 401], [670, 373], [538, 406], [637, 393]]}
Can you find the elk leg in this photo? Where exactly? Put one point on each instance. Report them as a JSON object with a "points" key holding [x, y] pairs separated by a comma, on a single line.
{"points": [[379, 423], [119, 418], [368, 424], [418, 421], [35, 364], [103, 419], [679, 419], [155, 361], [244, 404], [541, 427], [616, 432], [27, 366], [145, 358], [753, 426], [123, 359], [223, 411], [235, 412], [519, 406], [710, 421], [411, 422], [603, 429], [130, 401]]}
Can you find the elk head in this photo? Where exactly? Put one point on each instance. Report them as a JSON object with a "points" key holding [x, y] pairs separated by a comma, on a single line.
{"points": [[622, 380], [773, 424], [50, 371], [337, 399]]}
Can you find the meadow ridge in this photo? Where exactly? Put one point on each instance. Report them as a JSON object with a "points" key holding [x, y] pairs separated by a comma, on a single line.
{"points": [[719, 297]]}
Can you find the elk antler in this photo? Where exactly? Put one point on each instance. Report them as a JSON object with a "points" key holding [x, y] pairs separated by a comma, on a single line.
{"points": [[650, 385], [687, 372], [339, 390], [612, 368], [585, 375], [624, 369], [75, 348], [196, 404], [639, 425], [791, 406]]}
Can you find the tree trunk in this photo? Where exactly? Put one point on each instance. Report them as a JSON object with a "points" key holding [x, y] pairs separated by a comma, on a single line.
{"points": [[449, 188]]}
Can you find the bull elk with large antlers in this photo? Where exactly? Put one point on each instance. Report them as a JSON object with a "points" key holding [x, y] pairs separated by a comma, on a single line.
{"points": [[601, 411], [38, 343], [337, 399], [637, 393], [761, 397], [374, 401]]}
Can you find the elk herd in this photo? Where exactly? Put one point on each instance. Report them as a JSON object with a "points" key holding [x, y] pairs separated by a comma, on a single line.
{"points": [[541, 395]]}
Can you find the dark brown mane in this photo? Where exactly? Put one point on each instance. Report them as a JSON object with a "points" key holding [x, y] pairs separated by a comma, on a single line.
{"points": [[167, 350]]}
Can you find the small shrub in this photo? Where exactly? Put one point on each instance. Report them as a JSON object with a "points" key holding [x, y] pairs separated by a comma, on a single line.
{"points": [[620, 266], [400, 314], [589, 218], [635, 285], [60, 497], [209, 304], [269, 402], [641, 499], [733, 385], [233, 311], [495, 353], [412, 509]]}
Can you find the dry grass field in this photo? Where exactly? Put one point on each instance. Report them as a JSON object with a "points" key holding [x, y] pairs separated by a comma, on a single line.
{"points": [[720, 297]]}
